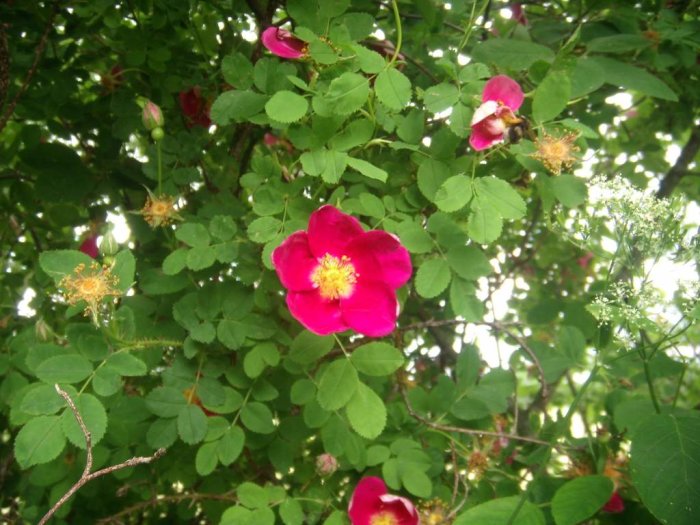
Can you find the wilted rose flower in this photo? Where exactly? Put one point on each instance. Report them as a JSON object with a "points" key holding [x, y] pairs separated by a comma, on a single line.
{"points": [[615, 504], [195, 108], [339, 276], [282, 43], [518, 13], [152, 116], [89, 246], [371, 505], [502, 96], [326, 464]]}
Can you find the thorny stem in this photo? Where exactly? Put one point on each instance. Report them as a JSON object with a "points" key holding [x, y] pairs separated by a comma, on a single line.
{"points": [[86, 475]]}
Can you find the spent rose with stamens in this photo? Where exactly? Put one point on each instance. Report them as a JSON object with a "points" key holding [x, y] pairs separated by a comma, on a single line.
{"points": [[372, 505], [284, 44], [339, 276], [501, 98]]}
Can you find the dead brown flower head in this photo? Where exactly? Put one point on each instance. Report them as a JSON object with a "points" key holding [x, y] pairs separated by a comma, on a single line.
{"points": [[159, 211], [92, 285], [556, 152]]}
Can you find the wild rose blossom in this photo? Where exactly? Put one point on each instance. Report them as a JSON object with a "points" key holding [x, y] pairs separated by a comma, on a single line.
{"points": [[501, 98], [339, 276], [284, 44], [372, 505], [195, 108]]}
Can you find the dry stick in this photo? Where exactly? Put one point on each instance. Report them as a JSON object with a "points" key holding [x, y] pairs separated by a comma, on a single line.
{"points": [[87, 476], [37, 56], [461, 430]]}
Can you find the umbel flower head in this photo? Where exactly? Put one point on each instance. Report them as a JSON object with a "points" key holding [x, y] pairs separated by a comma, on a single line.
{"points": [[372, 505], [556, 152], [159, 211], [339, 276], [282, 43], [91, 285], [501, 98]]}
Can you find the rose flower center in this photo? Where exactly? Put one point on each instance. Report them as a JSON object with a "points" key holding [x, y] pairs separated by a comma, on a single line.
{"points": [[334, 277], [383, 518]]}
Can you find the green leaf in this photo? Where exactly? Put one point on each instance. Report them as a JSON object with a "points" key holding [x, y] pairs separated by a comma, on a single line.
{"points": [[260, 357], [373, 205], [291, 512], [432, 278], [322, 53], [42, 400], [469, 262], [308, 347], [303, 391], [393, 89], [237, 70], [586, 77], [500, 510], [257, 418], [264, 229], [286, 106], [336, 162], [191, 424], [231, 445], [511, 54], [551, 96], [370, 61], [201, 258], [570, 190], [414, 237], [618, 43], [415, 481], [366, 412], [368, 169], [69, 368], [94, 417], [464, 301], [579, 499], [440, 97], [665, 461], [251, 495], [377, 359], [39, 441], [431, 175], [162, 433], [235, 106], [175, 262], [193, 234], [454, 194], [165, 401], [501, 196], [124, 269], [635, 78], [59, 263], [485, 223], [347, 93], [126, 364], [460, 120], [337, 384], [206, 459]]}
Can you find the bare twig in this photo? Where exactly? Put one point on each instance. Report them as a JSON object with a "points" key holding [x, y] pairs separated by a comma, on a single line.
{"points": [[680, 168], [462, 430], [38, 52], [87, 476]]}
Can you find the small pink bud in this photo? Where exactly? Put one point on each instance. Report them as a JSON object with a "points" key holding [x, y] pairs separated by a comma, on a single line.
{"points": [[326, 465], [152, 116]]}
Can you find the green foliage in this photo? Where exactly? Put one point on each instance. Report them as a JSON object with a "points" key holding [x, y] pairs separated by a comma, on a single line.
{"points": [[542, 355]]}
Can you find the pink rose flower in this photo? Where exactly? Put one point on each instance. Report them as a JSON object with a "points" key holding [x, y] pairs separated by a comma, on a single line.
{"points": [[371, 505], [89, 246], [501, 98], [615, 504], [282, 43], [339, 276]]}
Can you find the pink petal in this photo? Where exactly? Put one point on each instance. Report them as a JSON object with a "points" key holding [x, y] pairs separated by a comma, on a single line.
{"points": [[403, 509], [488, 108], [315, 313], [365, 501], [282, 43], [330, 231], [504, 89], [483, 135], [379, 256], [294, 262], [371, 310], [89, 247]]}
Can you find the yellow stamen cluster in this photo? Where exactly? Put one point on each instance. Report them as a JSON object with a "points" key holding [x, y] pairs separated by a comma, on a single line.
{"points": [[383, 518], [434, 512], [334, 277], [556, 152], [91, 285], [159, 211]]}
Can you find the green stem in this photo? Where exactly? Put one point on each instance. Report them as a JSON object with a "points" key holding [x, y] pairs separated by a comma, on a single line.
{"points": [[650, 384], [160, 170], [399, 33], [340, 344]]}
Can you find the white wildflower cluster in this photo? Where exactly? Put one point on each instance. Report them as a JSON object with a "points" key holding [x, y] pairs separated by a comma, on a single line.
{"points": [[688, 296], [624, 305], [634, 219]]}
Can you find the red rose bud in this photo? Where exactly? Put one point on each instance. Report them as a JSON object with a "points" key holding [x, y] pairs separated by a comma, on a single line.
{"points": [[326, 465], [152, 116], [615, 504], [89, 246]]}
